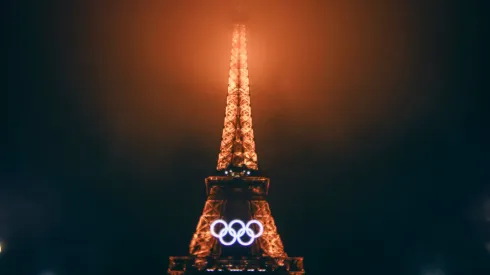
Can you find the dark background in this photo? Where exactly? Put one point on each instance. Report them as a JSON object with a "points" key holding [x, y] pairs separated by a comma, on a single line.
{"points": [[370, 119]]}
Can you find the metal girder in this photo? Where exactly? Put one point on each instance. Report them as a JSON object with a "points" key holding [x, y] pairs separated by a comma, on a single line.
{"points": [[270, 241], [237, 143], [202, 241]]}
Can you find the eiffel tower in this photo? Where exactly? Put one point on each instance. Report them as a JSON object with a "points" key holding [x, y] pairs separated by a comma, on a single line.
{"points": [[236, 231]]}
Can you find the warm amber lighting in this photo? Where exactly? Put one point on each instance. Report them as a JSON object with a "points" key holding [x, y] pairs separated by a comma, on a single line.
{"points": [[237, 144], [237, 158]]}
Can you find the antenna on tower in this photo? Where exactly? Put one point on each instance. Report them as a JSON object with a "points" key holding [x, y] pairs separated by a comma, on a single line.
{"points": [[240, 14]]}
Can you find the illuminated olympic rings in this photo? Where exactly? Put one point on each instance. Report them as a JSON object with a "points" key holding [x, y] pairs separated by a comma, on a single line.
{"points": [[236, 235]]}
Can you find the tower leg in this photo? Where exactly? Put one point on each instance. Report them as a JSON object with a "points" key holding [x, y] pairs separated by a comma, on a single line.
{"points": [[202, 241], [270, 242]]}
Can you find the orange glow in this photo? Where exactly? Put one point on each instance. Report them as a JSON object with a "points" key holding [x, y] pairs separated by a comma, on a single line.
{"points": [[237, 145], [322, 73]]}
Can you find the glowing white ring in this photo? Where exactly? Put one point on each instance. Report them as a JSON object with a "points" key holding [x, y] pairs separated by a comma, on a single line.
{"points": [[236, 235]]}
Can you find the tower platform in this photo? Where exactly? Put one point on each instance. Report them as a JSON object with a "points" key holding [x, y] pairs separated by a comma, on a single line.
{"points": [[248, 265]]}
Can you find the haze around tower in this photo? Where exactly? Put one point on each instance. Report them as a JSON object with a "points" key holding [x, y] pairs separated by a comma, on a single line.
{"points": [[337, 68], [369, 118]]}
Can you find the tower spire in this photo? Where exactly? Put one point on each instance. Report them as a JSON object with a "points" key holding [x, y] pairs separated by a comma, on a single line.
{"points": [[237, 148]]}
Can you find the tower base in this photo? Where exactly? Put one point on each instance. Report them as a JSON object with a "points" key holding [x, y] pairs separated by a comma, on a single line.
{"points": [[220, 265]]}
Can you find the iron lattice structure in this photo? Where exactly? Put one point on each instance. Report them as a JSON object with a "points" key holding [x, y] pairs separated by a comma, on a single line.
{"points": [[237, 144], [235, 194], [251, 192]]}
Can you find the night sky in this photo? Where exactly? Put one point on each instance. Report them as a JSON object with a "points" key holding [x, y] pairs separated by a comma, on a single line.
{"points": [[369, 118]]}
